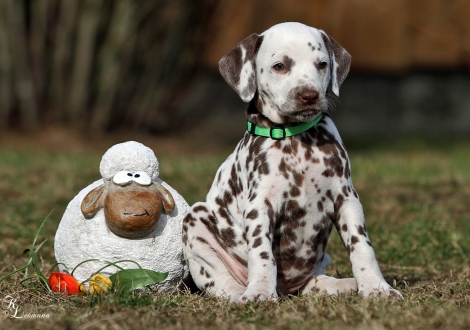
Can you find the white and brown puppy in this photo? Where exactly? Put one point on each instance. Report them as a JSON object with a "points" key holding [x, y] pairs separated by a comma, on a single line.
{"points": [[265, 225]]}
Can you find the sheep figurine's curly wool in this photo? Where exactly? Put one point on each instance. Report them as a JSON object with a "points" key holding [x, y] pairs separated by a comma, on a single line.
{"points": [[80, 238]]}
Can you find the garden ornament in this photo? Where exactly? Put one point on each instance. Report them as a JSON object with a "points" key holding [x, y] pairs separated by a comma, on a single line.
{"points": [[129, 214]]}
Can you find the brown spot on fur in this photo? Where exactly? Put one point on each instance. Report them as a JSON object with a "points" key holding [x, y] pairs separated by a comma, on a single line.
{"points": [[324, 222], [294, 192], [277, 144], [329, 195], [245, 232], [338, 203], [201, 239], [228, 236], [271, 215], [308, 154], [222, 211], [234, 183], [328, 173], [298, 178], [334, 164], [288, 62], [257, 242], [262, 167], [355, 193], [362, 231], [302, 263], [264, 255], [200, 208], [354, 240], [287, 238], [287, 149], [253, 214], [284, 168], [189, 218], [257, 231]]}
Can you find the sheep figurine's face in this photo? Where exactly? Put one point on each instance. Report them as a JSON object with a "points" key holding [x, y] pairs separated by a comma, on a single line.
{"points": [[132, 203]]}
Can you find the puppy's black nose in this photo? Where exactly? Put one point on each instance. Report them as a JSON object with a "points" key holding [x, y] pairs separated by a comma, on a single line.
{"points": [[309, 97]]}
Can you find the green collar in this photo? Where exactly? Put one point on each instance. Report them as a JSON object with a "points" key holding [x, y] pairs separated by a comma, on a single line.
{"points": [[279, 132]]}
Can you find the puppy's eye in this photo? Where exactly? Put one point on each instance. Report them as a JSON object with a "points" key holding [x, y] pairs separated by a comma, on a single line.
{"points": [[322, 65], [142, 178], [279, 67], [122, 177]]}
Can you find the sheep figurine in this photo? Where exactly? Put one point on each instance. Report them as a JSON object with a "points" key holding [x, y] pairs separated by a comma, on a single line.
{"points": [[129, 214]]}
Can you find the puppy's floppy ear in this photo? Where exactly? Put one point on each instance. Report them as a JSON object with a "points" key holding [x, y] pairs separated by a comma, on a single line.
{"points": [[238, 67], [340, 62]]}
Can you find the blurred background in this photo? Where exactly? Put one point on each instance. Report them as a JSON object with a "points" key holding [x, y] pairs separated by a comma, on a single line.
{"points": [[150, 67]]}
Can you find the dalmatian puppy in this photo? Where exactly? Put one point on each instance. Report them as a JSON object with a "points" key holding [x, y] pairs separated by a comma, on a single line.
{"points": [[265, 225]]}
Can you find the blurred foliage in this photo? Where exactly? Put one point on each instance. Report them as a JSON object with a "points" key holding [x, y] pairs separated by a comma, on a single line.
{"points": [[99, 63]]}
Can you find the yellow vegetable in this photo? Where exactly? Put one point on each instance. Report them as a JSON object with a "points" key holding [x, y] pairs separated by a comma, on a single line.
{"points": [[99, 283]]}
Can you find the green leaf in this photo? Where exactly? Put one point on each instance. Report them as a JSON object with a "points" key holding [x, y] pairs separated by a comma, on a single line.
{"points": [[128, 280], [35, 260], [39, 230]]}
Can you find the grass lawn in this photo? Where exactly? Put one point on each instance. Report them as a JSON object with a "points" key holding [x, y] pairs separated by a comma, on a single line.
{"points": [[414, 194]]}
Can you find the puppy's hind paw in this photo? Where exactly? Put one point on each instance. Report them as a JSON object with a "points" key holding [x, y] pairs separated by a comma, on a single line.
{"points": [[395, 294], [382, 292], [247, 297]]}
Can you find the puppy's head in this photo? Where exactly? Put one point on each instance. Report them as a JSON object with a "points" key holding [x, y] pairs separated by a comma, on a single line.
{"points": [[286, 71]]}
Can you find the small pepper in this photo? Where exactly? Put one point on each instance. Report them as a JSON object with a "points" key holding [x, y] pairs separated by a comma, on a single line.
{"points": [[99, 283], [62, 282]]}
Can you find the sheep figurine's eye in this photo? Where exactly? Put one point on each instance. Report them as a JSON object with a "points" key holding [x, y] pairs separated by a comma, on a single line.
{"points": [[142, 178], [123, 177]]}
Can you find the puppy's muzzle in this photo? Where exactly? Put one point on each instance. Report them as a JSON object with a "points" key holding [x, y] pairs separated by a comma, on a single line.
{"points": [[308, 97]]}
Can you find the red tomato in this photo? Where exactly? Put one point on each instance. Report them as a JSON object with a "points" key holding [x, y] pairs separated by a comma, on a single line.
{"points": [[62, 282]]}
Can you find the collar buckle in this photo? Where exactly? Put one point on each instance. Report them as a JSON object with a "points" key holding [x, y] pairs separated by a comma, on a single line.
{"points": [[276, 129]]}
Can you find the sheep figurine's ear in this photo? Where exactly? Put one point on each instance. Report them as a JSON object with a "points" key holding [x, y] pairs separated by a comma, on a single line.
{"points": [[93, 201], [167, 199], [340, 62], [239, 69]]}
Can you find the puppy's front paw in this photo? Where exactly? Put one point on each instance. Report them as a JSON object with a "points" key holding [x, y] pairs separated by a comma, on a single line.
{"points": [[384, 290], [253, 295]]}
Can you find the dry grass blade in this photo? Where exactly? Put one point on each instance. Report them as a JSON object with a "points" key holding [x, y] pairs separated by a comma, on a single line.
{"points": [[414, 196]]}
